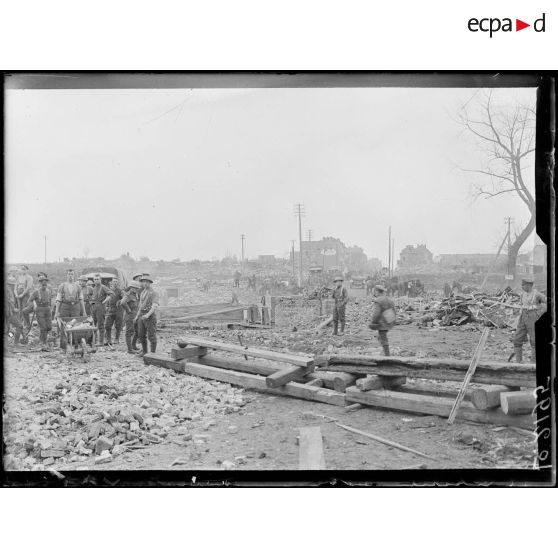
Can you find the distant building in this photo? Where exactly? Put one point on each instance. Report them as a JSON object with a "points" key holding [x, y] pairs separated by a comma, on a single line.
{"points": [[414, 256], [266, 259], [330, 253], [473, 263], [374, 264]]}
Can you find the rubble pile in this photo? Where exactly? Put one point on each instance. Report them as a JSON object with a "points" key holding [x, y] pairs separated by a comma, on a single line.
{"points": [[80, 415]]}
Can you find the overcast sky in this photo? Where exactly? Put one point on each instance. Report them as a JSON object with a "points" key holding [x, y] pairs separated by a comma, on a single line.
{"points": [[183, 173]]}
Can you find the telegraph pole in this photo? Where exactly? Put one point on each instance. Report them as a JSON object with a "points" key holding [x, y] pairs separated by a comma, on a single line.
{"points": [[292, 257], [300, 212], [242, 237], [311, 252], [389, 252], [393, 255], [509, 221]]}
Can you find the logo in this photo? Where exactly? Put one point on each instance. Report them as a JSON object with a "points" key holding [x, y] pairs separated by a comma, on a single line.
{"points": [[493, 25]]}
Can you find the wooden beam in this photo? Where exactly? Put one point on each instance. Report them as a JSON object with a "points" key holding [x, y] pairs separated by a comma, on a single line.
{"points": [[429, 405], [328, 378], [325, 323], [251, 381], [518, 403], [248, 366], [297, 360], [351, 368], [424, 363], [285, 375], [188, 352], [311, 451], [488, 397], [510, 378], [317, 382], [374, 381], [164, 362], [212, 313]]}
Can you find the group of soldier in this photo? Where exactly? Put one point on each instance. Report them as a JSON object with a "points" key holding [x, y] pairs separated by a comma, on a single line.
{"points": [[106, 306]]}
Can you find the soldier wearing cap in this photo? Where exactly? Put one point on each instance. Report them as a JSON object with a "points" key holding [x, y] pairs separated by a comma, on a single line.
{"points": [[42, 299], [69, 302], [533, 306], [98, 297], [23, 289], [88, 297], [11, 316], [130, 303], [146, 318], [383, 316], [341, 297], [114, 313]]}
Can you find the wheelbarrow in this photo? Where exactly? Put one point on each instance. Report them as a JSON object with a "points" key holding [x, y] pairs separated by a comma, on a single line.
{"points": [[81, 335]]}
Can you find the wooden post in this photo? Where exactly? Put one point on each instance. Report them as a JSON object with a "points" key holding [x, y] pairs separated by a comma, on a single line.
{"points": [[518, 403]]}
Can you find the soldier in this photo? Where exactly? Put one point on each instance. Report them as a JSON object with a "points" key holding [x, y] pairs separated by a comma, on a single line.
{"points": [[383, 316], [23, 289], [69, 302], [137, 277], [130, 303], [533, 306], [88, 297], [114, 313], [11, 315], [341, 297], [237, 275], [146, 318], [98, 297], [42, 298]]}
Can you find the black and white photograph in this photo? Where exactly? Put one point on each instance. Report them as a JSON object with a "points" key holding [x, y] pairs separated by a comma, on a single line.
{"points": [[263, 273]]}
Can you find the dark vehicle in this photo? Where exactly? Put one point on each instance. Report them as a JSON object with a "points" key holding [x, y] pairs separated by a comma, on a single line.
{"points": [[107, 274]]}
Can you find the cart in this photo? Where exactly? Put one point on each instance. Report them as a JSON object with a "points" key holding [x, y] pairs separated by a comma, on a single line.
{"points": [[81, 335]]}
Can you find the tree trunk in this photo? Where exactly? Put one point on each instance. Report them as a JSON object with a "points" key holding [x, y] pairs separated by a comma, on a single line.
{"points": [[517, 244]]}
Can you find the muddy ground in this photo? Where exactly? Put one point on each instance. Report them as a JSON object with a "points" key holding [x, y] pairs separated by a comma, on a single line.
{"points": [[191, 423]]}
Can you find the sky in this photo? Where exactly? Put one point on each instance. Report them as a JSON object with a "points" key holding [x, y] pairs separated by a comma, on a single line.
{"points": [[183, 173]]}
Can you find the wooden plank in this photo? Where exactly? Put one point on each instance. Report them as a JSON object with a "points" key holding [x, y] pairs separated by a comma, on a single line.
{"points": [[470, 371], [511, 378], [429, 405], [164, 362], [373, 381], [325, 323], [351, 368], [488, 397], [518, 403], [188, 352], [248, 366], [285, 375], [297, 360], [328, 378], [423, 363], [224, 311], [311, 450], [317, 382], [251, 381]]}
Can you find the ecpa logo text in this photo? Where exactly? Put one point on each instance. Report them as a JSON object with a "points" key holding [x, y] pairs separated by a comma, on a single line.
{"points": [[494, 24]]}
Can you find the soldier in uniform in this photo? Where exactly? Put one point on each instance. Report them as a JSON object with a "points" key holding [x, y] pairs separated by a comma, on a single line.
{"points": [[42, 299], [130, 304], [88, 297], [69, 302], [11, 315], [98, 298], [383, 316], [533, 306], [114, 313], [23, 289], [341, 297], [146, 318]]}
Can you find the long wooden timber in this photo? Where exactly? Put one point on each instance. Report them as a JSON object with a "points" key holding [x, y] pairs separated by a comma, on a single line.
{"points": [[285, 375], [212, 314], [248, 366], [429, 363], [251, 381], [507, 378], [297, 360], [429, 405]]}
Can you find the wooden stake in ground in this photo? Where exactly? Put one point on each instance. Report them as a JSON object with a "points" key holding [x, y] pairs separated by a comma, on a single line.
{"points": [[311, 451], [383, 440], [469, 374]]}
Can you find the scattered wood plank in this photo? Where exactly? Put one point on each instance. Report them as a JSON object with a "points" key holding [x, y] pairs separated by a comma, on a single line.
{"points": [[383, 440], [251, 381], [429, 405], [353, 407], [250, 367], [423, 363], [297, 360], [213, 313], [488, 397], [316, 382], [164, 362], [518, 403], [311, 451], [328, 378], [470, 371], [188, 352], [284, 376], [325, 323], [373, 381], [351, 368]]}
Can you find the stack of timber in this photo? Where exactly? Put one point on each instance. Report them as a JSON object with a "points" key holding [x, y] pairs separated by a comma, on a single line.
{"points": [[505, 395], [291, 376]]}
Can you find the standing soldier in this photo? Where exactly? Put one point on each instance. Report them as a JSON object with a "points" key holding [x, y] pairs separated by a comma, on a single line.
{"points": [[23, 289], [146, 318], [341, 297], [88, 297], [137, 277], [383, 316], [11, 315], [114, 313], [42, 297], [130, 303], [532, 304], [69, 302], [237, 278], [100, 294]]}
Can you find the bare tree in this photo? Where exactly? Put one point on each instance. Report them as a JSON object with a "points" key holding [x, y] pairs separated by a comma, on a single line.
{"points": [[507, 137]]}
